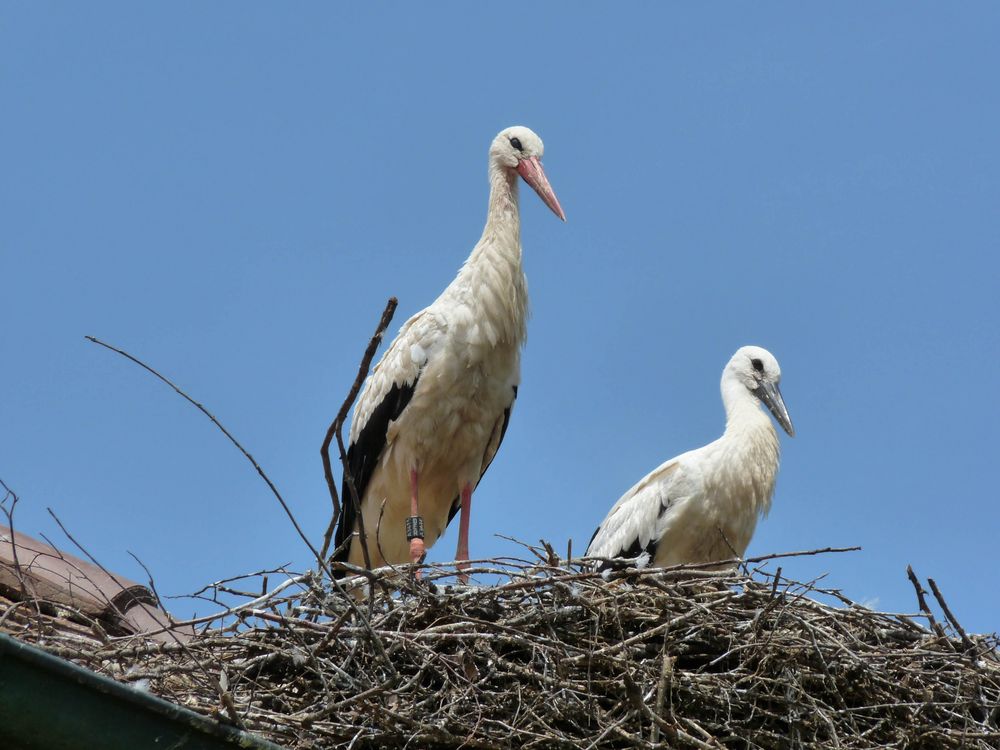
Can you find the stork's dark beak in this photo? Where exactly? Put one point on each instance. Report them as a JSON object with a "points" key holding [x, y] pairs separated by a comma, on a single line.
{"points": [[770, 394], [531, 170]]}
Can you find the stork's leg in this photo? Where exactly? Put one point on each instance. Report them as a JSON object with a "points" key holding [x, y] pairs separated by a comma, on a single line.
{"points": [[417, 548], [462, 554]]}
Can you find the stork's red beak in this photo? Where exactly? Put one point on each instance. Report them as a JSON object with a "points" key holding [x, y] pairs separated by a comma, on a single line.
{"points": [[531, 170]]}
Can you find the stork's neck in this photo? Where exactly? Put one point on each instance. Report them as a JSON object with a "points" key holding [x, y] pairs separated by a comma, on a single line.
{"points": [[743, 412], [491, 281], [749, 429], [750, 444], [503, 217]]}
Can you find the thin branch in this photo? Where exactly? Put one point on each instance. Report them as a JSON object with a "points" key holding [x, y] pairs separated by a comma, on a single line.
{"points": [[274, 490], [335, 430], [90, 557], [742, 563], [217, 423], [229, 611], [9, 513], [8, 492], [803, 553]]}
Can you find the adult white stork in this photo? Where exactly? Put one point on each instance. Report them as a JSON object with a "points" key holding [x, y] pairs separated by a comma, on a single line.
{"points": [[434, 410], [703, 505]]}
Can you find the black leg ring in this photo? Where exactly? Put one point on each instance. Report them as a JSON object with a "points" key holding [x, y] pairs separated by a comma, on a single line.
{"points": [[414, 528]]}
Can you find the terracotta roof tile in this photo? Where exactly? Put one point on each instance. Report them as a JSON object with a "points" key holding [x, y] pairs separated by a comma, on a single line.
{"points": [[71, 594]]}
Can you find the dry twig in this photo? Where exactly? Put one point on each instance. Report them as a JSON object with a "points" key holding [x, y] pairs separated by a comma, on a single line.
{"points": [[233, 440]]}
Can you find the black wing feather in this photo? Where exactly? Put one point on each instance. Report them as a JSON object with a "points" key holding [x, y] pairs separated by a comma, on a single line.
{"points": [[634, 550], [456, 504], [363, 455]]}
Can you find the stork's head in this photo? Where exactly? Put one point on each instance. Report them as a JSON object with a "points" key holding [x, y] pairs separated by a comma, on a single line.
{"points": [[757, 370], [520, 149]]}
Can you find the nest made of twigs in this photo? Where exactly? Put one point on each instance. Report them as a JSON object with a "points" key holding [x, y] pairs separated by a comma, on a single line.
{"points": [[556, 655]]}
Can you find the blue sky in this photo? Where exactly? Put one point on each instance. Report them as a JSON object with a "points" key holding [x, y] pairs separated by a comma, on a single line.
{"points": [[231, 191]]}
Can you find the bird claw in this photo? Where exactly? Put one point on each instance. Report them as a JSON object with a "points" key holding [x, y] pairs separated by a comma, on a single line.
{"points": [[417, 561], [463, 577], [418, 550]]}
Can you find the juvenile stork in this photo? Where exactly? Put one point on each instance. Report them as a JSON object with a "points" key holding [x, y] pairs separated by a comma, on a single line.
{"points": [[434, 410], [703, 505]]}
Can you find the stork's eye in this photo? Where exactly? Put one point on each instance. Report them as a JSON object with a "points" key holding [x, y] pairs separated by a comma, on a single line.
{"points": [[757, 365], [516, 143]]}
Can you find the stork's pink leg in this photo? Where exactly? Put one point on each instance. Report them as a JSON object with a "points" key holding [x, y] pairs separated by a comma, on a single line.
{"points": [[417, 548], [462, 554]]}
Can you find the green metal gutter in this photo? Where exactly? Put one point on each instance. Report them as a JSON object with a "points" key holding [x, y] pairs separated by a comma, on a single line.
{"points": [[48, 703]]}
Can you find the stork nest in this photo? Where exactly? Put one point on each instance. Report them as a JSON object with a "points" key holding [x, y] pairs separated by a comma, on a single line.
{"points": [[552, 655]]}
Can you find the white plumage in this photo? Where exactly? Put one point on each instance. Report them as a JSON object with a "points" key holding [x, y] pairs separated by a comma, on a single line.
{"points": [[433, 412], [703, 505]]}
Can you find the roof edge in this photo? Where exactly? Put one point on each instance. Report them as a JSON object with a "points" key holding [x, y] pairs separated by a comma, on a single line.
{"points": [[48, 702]]}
